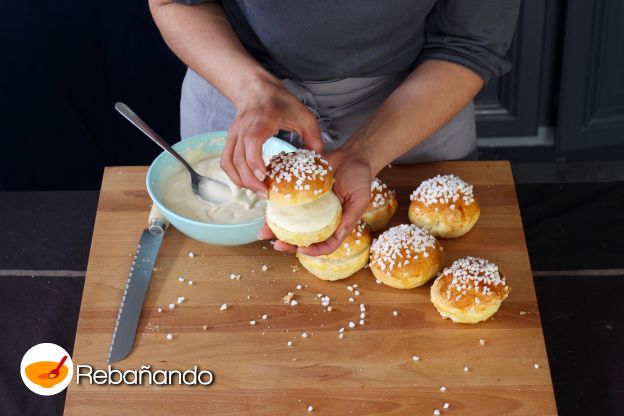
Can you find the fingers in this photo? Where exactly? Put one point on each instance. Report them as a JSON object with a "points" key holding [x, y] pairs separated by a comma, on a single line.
{"points": [[352, 210], [254, 138], [279, 245], [311, 134], [326, 247], [227, 157], [265, 232]]}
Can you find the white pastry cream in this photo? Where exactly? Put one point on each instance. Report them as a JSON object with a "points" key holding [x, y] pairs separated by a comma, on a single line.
{"points": [[305, 218], [244, 205]]}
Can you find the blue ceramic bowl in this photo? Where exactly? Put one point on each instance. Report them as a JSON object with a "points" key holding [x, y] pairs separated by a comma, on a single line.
{"points": [[221, 234]]}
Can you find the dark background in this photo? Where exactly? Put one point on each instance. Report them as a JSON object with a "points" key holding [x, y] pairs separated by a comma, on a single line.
{"points": [[65, 63]]}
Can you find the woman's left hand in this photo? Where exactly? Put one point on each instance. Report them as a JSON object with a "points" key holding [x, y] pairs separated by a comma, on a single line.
{"points": [[353, 176]]}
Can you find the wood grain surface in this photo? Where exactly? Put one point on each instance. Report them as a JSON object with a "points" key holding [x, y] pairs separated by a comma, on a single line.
{"points": [[368, 372]]}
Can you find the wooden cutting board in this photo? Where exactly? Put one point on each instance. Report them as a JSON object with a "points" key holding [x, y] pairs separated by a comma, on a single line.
{"points": [[368, 372]]}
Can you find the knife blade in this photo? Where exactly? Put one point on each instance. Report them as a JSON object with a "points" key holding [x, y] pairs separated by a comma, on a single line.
{"points": [[131, 304]]}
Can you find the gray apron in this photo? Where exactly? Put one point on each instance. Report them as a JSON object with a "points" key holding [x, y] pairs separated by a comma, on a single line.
{"points": [[341, 107]]}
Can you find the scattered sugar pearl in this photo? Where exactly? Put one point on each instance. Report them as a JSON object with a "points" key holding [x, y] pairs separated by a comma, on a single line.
{"points": [[304, 335], [191, 254], [351, 300], [395, 313], [436, 412], [159, 310], [310, 408], [350, 288], [355, 285], [169, 337], [289, 343], [363, 315], [415, 358], [223, 307], [181, 299], [466, 369], [298, 287], [442, 388], [482, 341], [341, 330], [252, 322], [446, 405], [171, 305], [180, 279], [205, 327], [356, 293], [265, 317], [361, 321], [329, 308], [523, 312], [235, 276], [293, 303], [378, 281], [341, 336], [190, 282], [362, 307], [264, 267], [351, 324], [536, 365]]}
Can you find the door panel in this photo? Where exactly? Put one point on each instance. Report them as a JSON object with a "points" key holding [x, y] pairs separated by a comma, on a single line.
{"points": [[591, 110]]}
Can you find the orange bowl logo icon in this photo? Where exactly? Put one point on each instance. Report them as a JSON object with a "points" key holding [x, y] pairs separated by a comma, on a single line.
{"points": [[46, 369]]}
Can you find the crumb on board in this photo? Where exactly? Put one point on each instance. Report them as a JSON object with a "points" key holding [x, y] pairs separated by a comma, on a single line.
{"points": [[205, 327], [169, 337], [288, 297], [190, 282], [252, 322], [293, 303], [536, 365], [466, 369], [235, 276], [395, 313], [265, 317], [159, 310], [289, 343], [442, 388], [304, 335], [181, 299], [191, 254], [446, 405], [180, 279], [171, 305], [415, 358], [223, 307], [264, 267], [482, 341]]}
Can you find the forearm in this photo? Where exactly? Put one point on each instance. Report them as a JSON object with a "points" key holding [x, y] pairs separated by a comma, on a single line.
{"points": [[428, 98], [202, 37]]}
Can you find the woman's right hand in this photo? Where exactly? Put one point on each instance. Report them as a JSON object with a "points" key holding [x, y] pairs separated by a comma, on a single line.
{"points": [[261, 110]]}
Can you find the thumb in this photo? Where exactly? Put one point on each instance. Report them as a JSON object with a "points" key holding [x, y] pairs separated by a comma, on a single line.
{"points": [[352, 210]]}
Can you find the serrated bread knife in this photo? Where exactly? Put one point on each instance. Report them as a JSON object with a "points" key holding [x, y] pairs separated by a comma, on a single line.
{"points": [[136, 287]]}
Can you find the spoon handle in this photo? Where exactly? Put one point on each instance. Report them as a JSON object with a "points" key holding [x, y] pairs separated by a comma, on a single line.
{"points": [[125, 111]]}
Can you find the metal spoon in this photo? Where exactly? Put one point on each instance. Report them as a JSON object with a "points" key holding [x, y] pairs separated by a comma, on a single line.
{"points": [[208, 190]]}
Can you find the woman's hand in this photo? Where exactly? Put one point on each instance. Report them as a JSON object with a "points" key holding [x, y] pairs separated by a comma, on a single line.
{"points": [[262, 109], [353, 176]]}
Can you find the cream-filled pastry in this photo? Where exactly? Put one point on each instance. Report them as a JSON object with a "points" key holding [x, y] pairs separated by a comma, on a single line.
{"points": [[302, 209], [350, 257]]}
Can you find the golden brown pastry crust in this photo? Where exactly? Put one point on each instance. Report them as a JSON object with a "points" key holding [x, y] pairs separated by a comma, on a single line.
{"points": [[445, 206], [297, 178], [350, 257], [406, 256], [469, 291], [382, 207]]}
